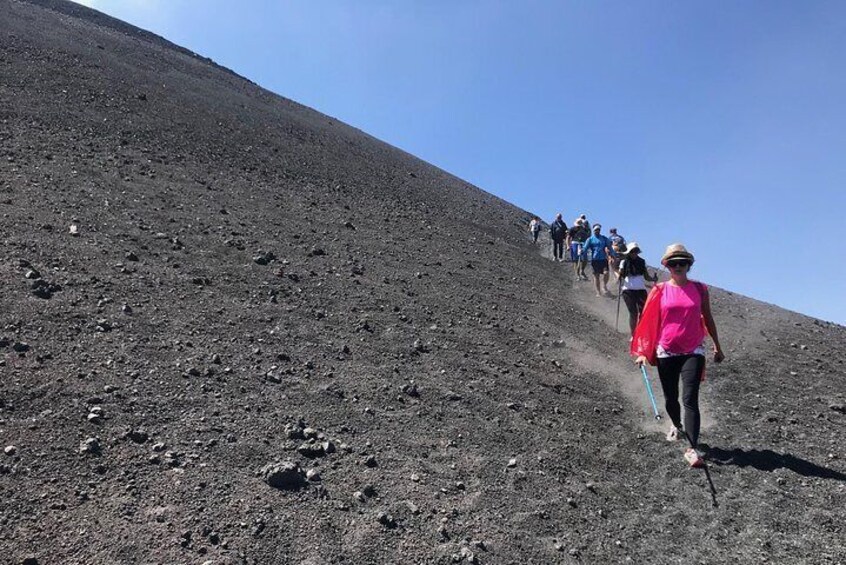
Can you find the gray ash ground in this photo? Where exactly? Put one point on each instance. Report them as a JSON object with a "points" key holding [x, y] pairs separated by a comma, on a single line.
{"points": [[237, 331]]}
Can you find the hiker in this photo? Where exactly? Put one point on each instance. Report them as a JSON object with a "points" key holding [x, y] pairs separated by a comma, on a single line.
{"points": [[534, 229], [671, 335], [585, 223], [578, 235], [633, 275], [558, 233], [618, 244], [600, 247]]}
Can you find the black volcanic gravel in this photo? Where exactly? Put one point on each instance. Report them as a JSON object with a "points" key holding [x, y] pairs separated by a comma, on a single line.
{"points": [[257, 335]]}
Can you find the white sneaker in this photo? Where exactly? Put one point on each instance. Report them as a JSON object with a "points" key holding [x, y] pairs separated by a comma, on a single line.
{"points": [[694, 458], [674, 433]]}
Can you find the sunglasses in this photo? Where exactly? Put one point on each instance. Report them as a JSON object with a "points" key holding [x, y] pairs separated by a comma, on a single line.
{"points": [[678, 263]]}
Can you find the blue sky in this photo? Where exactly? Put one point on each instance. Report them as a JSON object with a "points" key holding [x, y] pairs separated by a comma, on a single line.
{"points": [[718, 124]]}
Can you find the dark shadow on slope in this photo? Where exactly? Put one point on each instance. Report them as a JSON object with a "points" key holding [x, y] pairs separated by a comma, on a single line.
{"points": [[768, 460]]}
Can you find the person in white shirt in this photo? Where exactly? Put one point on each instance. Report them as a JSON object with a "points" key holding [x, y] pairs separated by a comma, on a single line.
{"points": [[534, 229], [634, 274]]}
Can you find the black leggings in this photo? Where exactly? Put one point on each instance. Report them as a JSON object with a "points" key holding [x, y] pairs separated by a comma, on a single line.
{"points": [[634, 299], [689, 368]]}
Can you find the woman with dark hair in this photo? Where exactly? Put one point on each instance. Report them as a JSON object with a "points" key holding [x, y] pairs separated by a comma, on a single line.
{"points": [[633, 276], [671, 334]]}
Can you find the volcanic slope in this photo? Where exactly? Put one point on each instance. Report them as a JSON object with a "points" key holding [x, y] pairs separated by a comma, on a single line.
{"points": [[202, 278]]}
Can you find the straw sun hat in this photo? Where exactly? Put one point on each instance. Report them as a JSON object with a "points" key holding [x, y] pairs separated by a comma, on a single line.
{"points": [[676, 251]]}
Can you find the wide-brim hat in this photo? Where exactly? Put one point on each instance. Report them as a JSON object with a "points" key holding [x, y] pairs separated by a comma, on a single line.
{"points": [[632, 246], [676, 251]]}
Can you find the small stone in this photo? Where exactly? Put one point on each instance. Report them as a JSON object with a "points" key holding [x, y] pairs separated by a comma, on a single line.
{"points": [[386, 520], [130, 256], [359, 496], [90, 446], [29, 560], [311, 450], [10, 450], [294, 432], [370, 461], [73, 230], [467, 554], [410, 390], [512, 462], [369, 491], [285, 476], [313, 475], [137, 436]]}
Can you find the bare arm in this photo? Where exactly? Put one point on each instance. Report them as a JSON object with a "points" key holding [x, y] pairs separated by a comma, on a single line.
{"points": [[711, 325]]}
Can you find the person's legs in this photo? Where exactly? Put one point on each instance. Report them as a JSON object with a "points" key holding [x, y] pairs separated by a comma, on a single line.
{"points": [[691, 372], [597, 272], [639, 299], [605, 279], [574, 257], [668, 372], [630, 298]]}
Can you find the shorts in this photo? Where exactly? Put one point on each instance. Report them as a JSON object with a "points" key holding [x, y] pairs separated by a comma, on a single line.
{"points": [[575, 251], [599, 267]]}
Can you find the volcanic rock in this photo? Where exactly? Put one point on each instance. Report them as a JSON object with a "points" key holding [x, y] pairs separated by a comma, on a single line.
{"points": [[284, 476]]}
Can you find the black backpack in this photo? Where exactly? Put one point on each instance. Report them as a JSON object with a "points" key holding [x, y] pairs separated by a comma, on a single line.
{"points": [[633, 266]]}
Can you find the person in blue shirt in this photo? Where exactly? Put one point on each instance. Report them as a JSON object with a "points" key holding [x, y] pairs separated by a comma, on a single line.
{"points": [[601, 249], [618, 244]]}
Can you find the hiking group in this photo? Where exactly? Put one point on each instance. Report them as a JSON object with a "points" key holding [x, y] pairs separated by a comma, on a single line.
{"points": [[668, 323]]}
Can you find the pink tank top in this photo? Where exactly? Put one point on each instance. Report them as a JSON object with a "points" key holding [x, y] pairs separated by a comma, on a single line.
{"points": [[682, 330]]}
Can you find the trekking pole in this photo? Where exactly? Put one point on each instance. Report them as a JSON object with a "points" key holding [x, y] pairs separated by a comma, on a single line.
{"points": [[619, 292], [649, 392], [707, 470]]}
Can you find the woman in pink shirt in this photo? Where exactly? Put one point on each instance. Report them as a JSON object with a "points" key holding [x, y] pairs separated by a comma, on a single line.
{"points": [[671, 333]]}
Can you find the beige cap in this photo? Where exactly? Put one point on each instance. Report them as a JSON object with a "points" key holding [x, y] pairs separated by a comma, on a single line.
{"points": [[676, 251], [632, 246]]}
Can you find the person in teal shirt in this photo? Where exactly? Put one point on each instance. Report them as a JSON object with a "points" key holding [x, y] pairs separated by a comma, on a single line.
{"points": [[601, 249]]}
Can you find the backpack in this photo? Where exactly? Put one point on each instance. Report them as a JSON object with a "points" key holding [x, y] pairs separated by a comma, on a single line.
{"points": [[632, 267]]}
